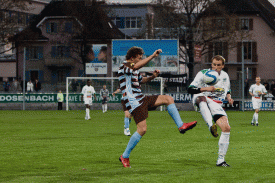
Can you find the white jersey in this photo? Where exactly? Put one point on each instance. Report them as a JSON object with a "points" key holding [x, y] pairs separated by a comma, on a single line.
{"points": [[223, 85], [256, 89], [88, 91]]}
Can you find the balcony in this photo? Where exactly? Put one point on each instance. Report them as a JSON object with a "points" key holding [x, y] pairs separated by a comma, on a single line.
{"points": [[59, 62]]}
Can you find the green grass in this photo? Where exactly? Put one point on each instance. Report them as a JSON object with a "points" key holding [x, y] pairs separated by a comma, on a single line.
{"points": [[60, 146]]}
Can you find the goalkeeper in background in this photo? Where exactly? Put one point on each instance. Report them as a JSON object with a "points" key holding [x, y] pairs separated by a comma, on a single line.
{"points": [[208, 101], [104, 94]]}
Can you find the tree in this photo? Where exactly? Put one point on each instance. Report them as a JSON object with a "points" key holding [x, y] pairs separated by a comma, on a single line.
{"points": [[11, 19], [199, 22]]}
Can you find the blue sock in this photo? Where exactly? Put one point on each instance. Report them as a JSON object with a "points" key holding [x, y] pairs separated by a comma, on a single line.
{"points": [[131, 144], [174, 113], [126, 122]]}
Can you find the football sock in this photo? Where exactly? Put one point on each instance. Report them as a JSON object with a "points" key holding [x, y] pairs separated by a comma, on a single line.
{"points": [[256, 117], [103, 108], [131, 144], [206, 114], [253, 119], [223, 146], [174, 113], [87, 112], [126, 122]]}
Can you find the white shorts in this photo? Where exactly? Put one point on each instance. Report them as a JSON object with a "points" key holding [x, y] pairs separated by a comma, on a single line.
{"points": [[257, 103], [214, 107], [88, 101]]}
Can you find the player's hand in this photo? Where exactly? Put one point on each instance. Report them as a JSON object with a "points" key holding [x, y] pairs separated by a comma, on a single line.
{"points": [[113, 94], [157, 52], [210, 88], [156, 73], [260, 93]]}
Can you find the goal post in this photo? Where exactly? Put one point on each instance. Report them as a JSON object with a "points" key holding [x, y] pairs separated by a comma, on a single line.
{"points": [[74, 87]]}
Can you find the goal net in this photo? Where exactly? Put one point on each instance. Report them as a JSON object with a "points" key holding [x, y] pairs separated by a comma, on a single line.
{"points": [[74, 87]]}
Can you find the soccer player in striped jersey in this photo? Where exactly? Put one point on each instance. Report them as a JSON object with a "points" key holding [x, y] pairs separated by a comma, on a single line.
{"points": [[208, 101], [257, 91], [104, 94], [138, 104], [127, 118]]}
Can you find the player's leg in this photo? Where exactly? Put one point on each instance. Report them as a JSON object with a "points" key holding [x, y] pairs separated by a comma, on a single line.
{"points": [[174, 113], [222, 122], [87, 111], [135, 138], [201, 101], [256, 106], [257, 116], [127, 121]]}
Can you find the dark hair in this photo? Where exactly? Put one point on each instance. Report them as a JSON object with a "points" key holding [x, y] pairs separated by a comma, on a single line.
{"points": [[133, 52], [103, 48], [218, 57]]}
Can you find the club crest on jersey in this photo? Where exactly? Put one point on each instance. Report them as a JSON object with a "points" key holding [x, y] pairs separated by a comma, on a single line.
{"points": [[224, 79]]}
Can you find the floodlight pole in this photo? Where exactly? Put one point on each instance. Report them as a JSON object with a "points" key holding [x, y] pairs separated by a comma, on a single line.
{"points": [[24, 78], [242, 78]]}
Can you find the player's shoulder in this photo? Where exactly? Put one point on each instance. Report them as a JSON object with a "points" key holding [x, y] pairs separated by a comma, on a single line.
{"points": [[203, 71], [224, 74]]}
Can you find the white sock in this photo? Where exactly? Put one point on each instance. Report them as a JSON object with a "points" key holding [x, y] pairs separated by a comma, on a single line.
{"points": [[87, 112], [256, 117], [105, 107], [223, 146], [253, 120], [206, 114]]}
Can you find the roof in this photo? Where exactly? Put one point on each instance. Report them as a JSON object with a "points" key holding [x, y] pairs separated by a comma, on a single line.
{"points": [[96, 24], [263, 8]]}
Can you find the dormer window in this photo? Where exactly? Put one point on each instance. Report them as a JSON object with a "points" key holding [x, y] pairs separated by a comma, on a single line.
{"points": [[51, 27]]}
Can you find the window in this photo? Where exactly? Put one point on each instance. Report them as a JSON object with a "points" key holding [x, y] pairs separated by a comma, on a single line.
{"points": [[245, 24], [34, 53], [130, 22], [51, 27], [68, 27], [133, 22], [218, 48], [247, 51], [220, 23], [60, 52]]}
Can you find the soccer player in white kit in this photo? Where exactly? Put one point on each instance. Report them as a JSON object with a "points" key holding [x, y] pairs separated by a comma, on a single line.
{"points": [[256, 91], [88, 91], [208, 101]]}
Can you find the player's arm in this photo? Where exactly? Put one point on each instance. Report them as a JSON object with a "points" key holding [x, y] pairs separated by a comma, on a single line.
{"points": [[228, 94], [94, 94], [147, 79], [82, 92], [115, 92], [250, 91], [143, 62], [194, 86]]}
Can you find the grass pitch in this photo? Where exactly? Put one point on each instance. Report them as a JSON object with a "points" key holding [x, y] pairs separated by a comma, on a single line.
{"points": [[60, 146]]}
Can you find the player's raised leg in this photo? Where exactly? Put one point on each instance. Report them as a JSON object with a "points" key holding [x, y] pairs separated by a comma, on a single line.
{"points": [[174, 113], [206, 114], [222, 122]]}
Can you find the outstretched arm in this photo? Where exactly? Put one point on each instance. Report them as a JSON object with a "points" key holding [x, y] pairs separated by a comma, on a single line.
{"points": [[147, 79], [143, 62], [115, 92]]}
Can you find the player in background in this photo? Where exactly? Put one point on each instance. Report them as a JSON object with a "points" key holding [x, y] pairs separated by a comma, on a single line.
{"points": [[139, 104], [88, 91], [257, 91], [208, 101], [104, 94], [128, 116]]}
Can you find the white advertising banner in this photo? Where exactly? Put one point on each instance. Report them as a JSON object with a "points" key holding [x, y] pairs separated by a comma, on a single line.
{"points": [[96, 68]]}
